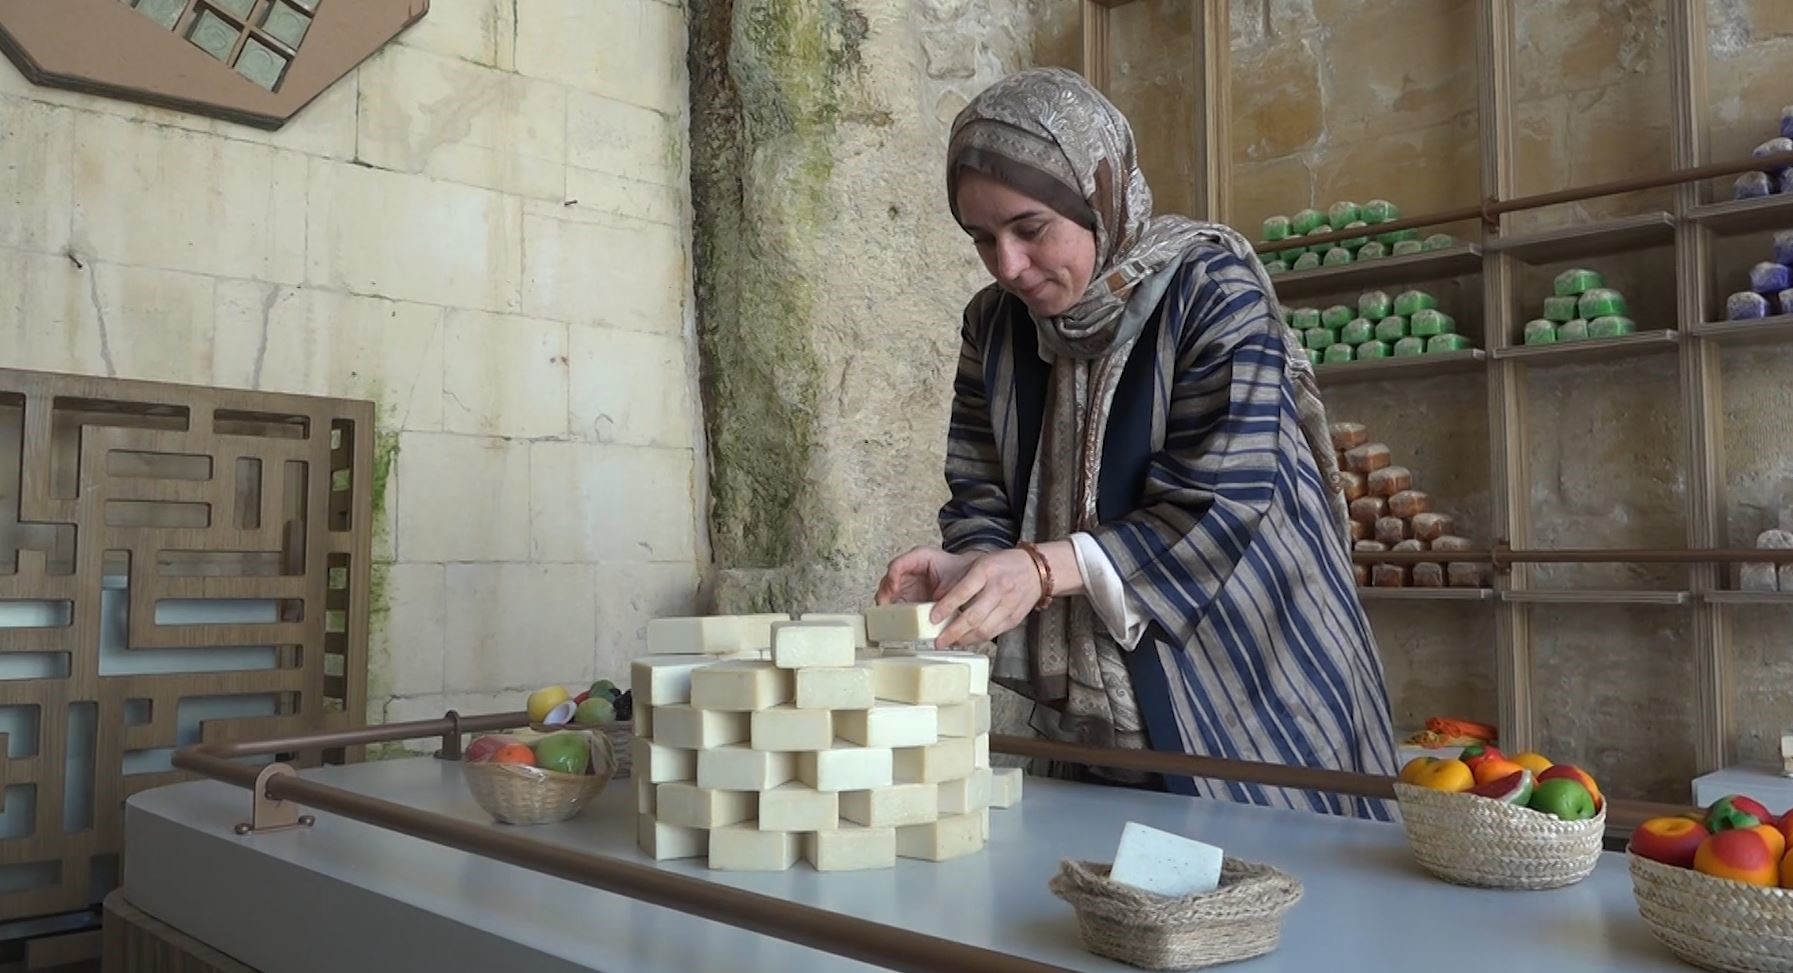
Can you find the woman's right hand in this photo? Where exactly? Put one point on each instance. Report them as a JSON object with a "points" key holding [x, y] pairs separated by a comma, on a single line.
{"points": [[922, 574]]}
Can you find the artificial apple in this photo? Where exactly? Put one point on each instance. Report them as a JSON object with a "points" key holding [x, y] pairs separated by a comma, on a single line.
{"points": [[1514, 788], [514, 753], [606, 689], [1534, 762], [1740, 855], [1574, 773], [1672, 841], [482, 748], [1777, 842], [596, 709], [1476, 754], [1441, 775], [1564, 797], [1726, 814], [542, 702], [567, 753], [1748, 805]]}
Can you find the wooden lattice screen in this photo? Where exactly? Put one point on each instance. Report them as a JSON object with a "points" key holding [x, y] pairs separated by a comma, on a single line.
{"points": [[176, 564]]}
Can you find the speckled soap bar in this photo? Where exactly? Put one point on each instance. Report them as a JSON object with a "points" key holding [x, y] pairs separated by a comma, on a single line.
{"points": [[1165, 864], [1339, 353], [1336, 257], [1412, 302], [1392, 237], [1577, 281], [1276, 228], [1336, 316], [1391, 329], [1752, 185], [1374, 349], [1440, 241], [1373, 250], [1540, 332], [1410, 347], [1374, 305], [1380, 211], [1560, 309], [1746, 305], [1307, 261], [1446, 342], [1305, 318], [1319, 338], [1342, 214], [1431, 322], [1769, 277], [1354, 243], [1602, 301], [1307, 221], [1573, 330], [1404, 247], [1611, 326], [1358, 331]]}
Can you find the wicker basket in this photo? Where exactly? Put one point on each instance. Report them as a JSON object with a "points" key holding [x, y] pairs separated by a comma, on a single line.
{"points": [[620, 732], [1713, 922], [1469, 840], [1239, 920], [518, 794]]}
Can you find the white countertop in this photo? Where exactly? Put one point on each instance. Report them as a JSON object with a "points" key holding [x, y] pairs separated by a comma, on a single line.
{"points": [[393, 903]]}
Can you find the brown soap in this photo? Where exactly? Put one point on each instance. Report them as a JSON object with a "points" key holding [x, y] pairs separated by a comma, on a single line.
{"points": [[1431, 527], [1349, 435], [1409, 545], [1362, 573], [1368, 458], [1465, 574], [1360, 531], [1389, 576], [1428, 575], [1391, 530], [1369, 547], [1451, 542], [1369, 509], [1390, 480], [1353, 484], [1410, 502]]}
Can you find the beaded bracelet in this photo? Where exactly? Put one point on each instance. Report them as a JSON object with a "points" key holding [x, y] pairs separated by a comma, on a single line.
{"points": [[1045, 570]]}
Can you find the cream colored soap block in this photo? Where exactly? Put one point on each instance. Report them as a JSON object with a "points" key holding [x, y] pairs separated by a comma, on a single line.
{"points": [[890, 807], [1005, 787], [657, 762], [961, 796], [949, 759], [967, 719], [980, 750], [740, 768], [741, 686], [644, 795], [848, 687], [910, 679], [685, 804], [801, 645], [850, 848], [745, 848], [799, 807], [953, 836], [643, 720], [889, 725], [977, 662], [845, 767], [901, 623], [756, 630], [662, 679], [666, 842], [792, 729], [687, 727], [856, 622]]}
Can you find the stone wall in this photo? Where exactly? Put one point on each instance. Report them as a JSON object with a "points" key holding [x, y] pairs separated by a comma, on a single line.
{"points": [[484, 229]]}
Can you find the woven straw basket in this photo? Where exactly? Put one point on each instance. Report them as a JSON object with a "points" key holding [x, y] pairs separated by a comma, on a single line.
{"points": [[1239, 920], [517, 794], [1713, 922], [1469, 840]]}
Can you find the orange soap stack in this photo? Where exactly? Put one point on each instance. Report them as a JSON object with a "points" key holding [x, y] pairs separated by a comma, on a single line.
{"points": [[1388, 514]]}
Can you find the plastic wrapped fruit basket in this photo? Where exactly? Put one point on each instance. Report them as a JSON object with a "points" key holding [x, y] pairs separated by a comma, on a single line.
{"points": [[1713, 922], [516, 789], [1241, 919], [1470, 840]]}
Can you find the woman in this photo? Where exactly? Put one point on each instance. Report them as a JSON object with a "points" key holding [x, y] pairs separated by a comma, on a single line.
{"points": [[1133, 424]]}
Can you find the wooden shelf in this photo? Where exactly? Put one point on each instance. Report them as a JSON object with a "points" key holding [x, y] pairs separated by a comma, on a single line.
{"points": [[1760, 330], [1590, 239], [1591, 349], [1590, 597], [1749, 597], [1418, 366], [1458, 261], [1426, 594], [1737, 216]]}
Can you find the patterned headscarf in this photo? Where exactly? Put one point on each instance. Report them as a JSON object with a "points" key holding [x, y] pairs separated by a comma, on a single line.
{"points": [[1052, 136]]}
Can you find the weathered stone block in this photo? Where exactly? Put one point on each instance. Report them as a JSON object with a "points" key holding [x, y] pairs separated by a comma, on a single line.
{"points": [[36, 184], [639, 268], [639, 510], [631, 388], [1279, 112], [620, 139], [642, 45], [950, 53], [1399, 66], [516, 625], [462, 498], [628, 596], [504, 375], [409, 632], [481, 31]]}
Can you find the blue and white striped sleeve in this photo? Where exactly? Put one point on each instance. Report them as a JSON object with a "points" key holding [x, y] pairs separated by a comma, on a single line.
{"points": [[978, 516]]}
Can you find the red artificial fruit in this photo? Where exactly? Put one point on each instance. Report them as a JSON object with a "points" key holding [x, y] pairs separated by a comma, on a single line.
{"points": [[1672, 841]]}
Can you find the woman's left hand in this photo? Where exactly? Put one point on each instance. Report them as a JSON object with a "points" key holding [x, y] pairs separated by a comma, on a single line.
{"points": [[993, 596]]}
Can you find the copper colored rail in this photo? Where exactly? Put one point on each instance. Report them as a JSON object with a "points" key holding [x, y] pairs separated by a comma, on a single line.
{"points": [[1503, 556]]}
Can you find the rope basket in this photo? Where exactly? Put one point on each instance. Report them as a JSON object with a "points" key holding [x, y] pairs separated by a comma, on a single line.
{"points": [[519, 794], [1239, 920], [1715, 923], [1479, 842]]}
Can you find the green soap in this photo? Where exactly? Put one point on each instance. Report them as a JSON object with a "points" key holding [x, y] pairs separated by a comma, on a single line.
{"points": [[1373, 349], [1440, 241], [1431, 322], [1339, 353], [1343, 214], [1276, 228], [1611, 326], [1446, 342], [1409, 303], [1559, 309], [1374, 305], [1354, 243], [1358, 331], [1337, 257], [1540, 332], [1371, 251], [1315, 356], [1410, 347], [1304, 318], [1319, 338], [1274, 267], [1306, 221], [1380, 211], [1404, 247], [1336, 316], [1572, 330], [1600, 302], [1393, 237], [1307, 261], [1391, 328], [1577, 281]]}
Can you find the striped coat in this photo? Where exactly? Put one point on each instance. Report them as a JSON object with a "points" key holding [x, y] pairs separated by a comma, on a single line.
{"points": [[1212, 513]]}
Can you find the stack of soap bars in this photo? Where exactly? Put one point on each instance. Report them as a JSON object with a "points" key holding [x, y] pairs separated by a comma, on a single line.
{"points": [[1388, 514], [1770, 285], [1380, 326], [1771, 179], [1581, 307], [1342, 216]]}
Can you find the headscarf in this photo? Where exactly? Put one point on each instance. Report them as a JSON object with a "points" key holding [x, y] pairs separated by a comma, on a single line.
{"points": [[1048, 133]]}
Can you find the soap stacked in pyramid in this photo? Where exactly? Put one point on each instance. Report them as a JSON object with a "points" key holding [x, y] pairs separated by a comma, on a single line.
{"points": [[835, 739], [1388, 514], [1775, 177], [1380, 326], [1770, 285], [1581, 307]]}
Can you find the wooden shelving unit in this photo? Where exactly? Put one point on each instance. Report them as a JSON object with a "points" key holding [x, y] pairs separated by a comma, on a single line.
{"points": [[1497, 260]]}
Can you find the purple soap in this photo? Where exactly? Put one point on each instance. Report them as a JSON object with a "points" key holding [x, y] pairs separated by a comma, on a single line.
{"points": [[1784, 182], [1769, 277], [1787, 122], [1774, 146], [1783, 247], [1750, 185], [1783, 302], [1745, 305]]}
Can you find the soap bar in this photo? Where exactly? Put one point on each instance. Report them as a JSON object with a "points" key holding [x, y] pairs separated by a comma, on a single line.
{"points": [[1410, 545], [1354, 485], [1391, 329], [845, 688], [641, 719], [789, 729], [741, 768], [893, 806], [658, 762], [1389, 576], [1375, 305], [1611, 326], [1390, 480], [746, 847], [1005, 787], [1339, 354], [952, 836], [1787, 122], [1759, 577], [1431, 321], [1447, 342], [1342, 214], [661, 679], [910, 679], [1369, 547], [1336, 257], [857, 622], [1783, 302], [1774, 540], [901, 623], [1406, 247], [1374, 349], [644, 794], [1372, 250], [1541, 332], [1307, 261], [1783, 247], [1360, 573], [846, 767], [1369, 509], [966, 794], [1411, 302], [669, 842], [1348, 435], [1574, 330], [1451, 542], [1752, 185], [800, 645], [1396, 237], [977, 663], [947, 759], [1410, 347], [1407, 503], [707, 635], [685, 804], [741, 686], [966, 719], [1602, 301], [1318, 338], [1358, 529], [1368, 458], [1430, 527], [1336, 317], [1773, 146], [1357, 331], [1428, 575], [1307, 221], [756, 630], [1305, 318], [1440, 241], [1355, 243], [890, 725], [1577, 281], [1766, 277], [799, 807], [850, 848], [689, 728], [1276, 228], [1390, 530], [980, 750], [1316, 357], [1462, 574], [1380, 211], [1784, 577], [1165, 864], [1560, 309]]}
